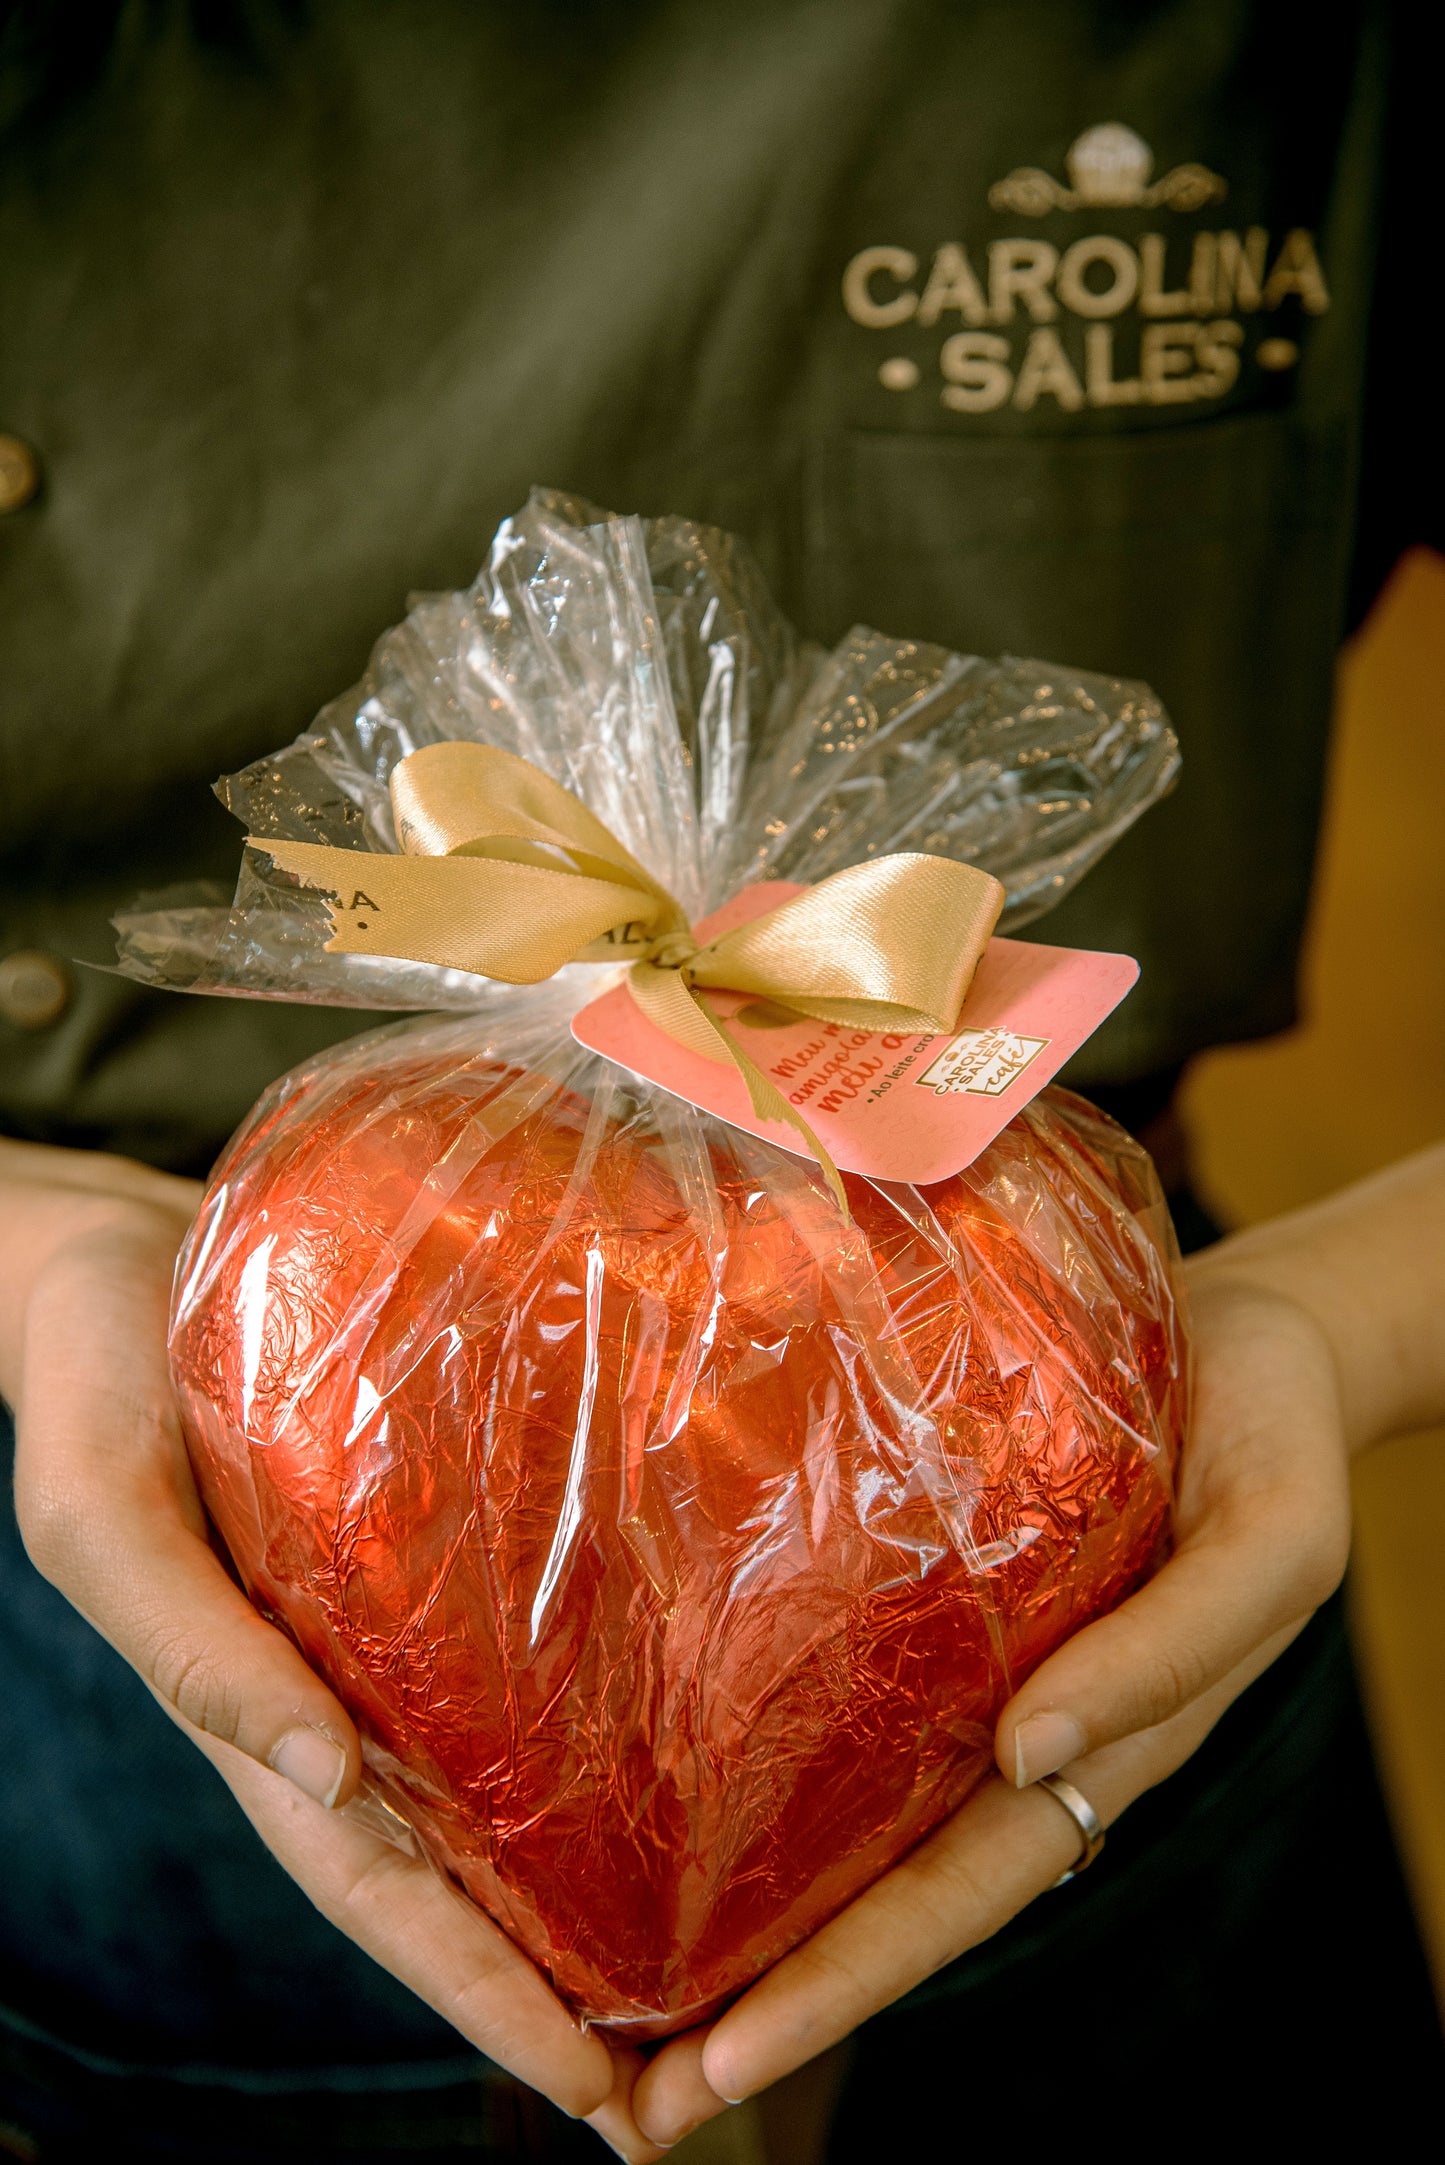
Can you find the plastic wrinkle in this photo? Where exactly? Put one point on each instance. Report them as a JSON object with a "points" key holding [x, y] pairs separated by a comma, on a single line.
{"points": [[674, 1543]]}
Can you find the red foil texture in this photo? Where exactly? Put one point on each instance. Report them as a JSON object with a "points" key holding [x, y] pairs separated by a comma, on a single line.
{"points": [[674, 1545]]}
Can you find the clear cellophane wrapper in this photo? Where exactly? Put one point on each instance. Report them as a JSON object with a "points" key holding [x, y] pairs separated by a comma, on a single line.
{"points": [[674, 1539]]}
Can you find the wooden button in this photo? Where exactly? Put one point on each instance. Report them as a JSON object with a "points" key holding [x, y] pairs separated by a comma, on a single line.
{"points": [[34, 989], [19, 473]]}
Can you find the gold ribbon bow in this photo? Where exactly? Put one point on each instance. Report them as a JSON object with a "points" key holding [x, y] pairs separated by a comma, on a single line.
{"points": [[506, 874]]}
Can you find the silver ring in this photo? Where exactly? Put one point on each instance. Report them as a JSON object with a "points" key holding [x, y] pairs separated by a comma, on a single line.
{"points": [[1085, 1818]]}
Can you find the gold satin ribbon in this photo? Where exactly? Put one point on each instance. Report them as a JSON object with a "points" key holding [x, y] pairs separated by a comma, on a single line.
{"points": [[504, 873]]}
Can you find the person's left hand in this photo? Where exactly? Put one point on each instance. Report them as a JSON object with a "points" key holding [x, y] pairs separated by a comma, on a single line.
{"points": [[1262, 1534]]}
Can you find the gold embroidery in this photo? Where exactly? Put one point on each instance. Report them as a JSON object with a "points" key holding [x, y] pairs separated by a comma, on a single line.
{"points": [[858, 296], [1190, 345], [976, 371], [1297, 270], [1048, 373], [1021, 270], [1153, 300], [1166, 363], [1240, 274], [952, 284], [1217, 350], [1109, 166], [1104, 388], [1123, 266]]}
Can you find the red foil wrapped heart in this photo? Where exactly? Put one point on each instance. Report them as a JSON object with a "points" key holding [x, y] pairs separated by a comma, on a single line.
{"points": [[674, 1545]]}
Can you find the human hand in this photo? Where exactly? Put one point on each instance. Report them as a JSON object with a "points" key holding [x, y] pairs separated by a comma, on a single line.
{"points": [[110, 1514], [1312, 1338], [1262, 1530]]}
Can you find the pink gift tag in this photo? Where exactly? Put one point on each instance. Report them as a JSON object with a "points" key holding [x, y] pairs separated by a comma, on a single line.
{"points": [[895, 1106]]}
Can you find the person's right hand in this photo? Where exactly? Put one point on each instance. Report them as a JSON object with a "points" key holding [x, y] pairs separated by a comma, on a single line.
{"points": [[110, 1514]]}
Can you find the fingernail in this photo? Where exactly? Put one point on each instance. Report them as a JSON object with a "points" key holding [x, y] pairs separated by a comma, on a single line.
{"points": [[1043, 1744], [312, 1762]]}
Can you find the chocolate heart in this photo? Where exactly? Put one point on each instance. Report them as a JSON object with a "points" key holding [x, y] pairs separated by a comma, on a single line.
{"points": [[674, 1545]]}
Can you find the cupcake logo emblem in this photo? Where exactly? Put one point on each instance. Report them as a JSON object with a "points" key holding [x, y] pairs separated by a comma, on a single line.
{"points": [[1109, 168]]}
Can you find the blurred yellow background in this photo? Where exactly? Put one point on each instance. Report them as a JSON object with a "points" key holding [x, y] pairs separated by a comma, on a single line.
{"points": [[1360, 1083]]}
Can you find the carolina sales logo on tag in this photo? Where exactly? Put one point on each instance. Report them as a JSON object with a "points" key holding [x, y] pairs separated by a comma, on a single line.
{"points": [[981, 1062]]}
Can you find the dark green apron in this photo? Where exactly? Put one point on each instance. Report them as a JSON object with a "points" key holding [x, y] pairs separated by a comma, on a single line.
{"points": [[1032, 328]]}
